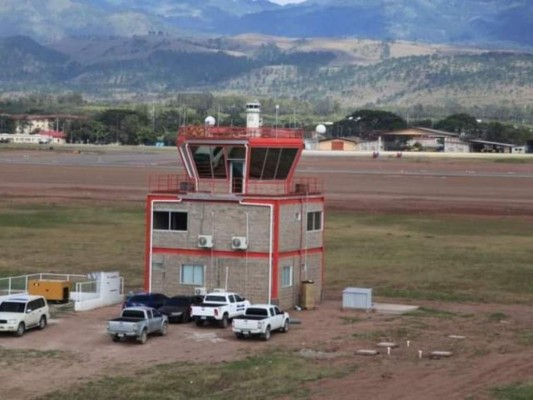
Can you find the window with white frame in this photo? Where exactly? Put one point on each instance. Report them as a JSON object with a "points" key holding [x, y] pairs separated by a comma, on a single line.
{"points": [[170, 220], [314, 220], [286, 276], [192, 274]]}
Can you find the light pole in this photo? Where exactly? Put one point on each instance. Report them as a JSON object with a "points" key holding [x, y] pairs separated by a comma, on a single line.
{"points": [[277, 109]]}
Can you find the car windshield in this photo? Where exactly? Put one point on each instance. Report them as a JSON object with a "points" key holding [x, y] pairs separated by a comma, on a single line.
{"points": [[177, 301], [216, 299], [9, 306], [257, 311], [139, 299]]}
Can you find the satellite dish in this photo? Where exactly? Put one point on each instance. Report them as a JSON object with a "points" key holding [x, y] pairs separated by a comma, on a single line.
{"points": [[320, 129], [210, 121]]}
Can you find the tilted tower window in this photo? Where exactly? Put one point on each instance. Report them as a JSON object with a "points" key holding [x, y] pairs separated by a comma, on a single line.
{"points": [[271, 163]]}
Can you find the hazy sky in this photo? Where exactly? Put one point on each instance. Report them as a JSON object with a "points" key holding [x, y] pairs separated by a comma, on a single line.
{"points": [[283, 2]]}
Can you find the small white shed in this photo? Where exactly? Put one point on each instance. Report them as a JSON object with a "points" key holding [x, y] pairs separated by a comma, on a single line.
{"points": [[357, 298]]}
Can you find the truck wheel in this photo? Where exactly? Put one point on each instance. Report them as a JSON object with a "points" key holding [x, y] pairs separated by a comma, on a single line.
{"points": [[239, 335], [115, 339], [224, 321], [164, 329], [199, 322], [20, 330], [42, 322], [285, 328], [144, 336], [266, 335]]}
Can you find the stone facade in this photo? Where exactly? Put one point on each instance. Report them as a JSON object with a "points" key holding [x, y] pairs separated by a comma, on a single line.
{"points": [[243, 271]]}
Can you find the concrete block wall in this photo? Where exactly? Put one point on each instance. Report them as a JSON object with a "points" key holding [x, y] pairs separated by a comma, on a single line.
{"points": [[222, 220], [246, 277]]}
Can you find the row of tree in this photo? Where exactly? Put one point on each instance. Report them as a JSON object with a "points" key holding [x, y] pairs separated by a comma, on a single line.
{"points": [[148, 124], [369, 124]]}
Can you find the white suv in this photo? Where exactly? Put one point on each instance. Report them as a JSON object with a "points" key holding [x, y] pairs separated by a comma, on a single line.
{"points": [[19, 313]]}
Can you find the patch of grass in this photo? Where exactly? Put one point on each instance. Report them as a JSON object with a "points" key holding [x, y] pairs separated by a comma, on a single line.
{"points": [[74, 239], [431, 257], [510, 160], [350, 320], [518, 391], [10, 357], [497, 316], [526, 338], [431, 312], [266, 376]]}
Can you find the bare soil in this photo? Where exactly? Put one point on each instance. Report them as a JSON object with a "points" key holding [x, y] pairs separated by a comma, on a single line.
{"points": [[490, 354]]}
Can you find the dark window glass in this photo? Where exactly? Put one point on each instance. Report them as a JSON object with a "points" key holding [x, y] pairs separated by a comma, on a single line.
{"points": [[210, 161], [170, 220], [178, 221], [161, 219], [271, 163], [314, 221]]}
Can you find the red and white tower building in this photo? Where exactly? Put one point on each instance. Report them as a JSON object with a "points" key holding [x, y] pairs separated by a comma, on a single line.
{"points": [[238, 218]]}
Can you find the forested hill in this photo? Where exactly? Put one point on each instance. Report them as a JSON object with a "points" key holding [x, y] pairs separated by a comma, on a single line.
{"points": [[475, 22]]}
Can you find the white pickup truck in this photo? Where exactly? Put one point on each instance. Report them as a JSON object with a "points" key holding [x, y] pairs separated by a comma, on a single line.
{"points": [[138, 323], [219, 307], [261, 319]]}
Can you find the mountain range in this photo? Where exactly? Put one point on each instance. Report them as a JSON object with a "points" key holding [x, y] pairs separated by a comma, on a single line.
{"points": [[494, 23], [392, 53]]}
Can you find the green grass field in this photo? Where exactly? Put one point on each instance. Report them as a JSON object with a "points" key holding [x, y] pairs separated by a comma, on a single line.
{"points": [[267, 376], [450, 258]]}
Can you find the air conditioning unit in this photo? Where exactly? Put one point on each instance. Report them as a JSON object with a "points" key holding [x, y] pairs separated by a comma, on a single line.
{"points": [[239, 243], [205, 241], [200, 291]]}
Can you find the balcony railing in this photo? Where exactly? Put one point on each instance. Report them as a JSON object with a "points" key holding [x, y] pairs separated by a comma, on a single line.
{"points": [[234, 132], [181, 184]]}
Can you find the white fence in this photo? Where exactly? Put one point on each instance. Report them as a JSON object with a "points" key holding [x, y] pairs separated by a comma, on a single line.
{"points": [[19, 284], [91, 291]]}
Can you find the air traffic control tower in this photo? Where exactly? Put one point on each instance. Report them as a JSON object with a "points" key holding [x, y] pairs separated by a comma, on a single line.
{"points": [[237, 217]]}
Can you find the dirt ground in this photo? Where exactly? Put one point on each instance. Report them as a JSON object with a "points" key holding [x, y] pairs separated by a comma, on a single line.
{"points": [[490, 354]]}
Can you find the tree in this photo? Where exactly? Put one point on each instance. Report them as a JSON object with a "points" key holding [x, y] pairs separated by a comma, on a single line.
{"points": [[368, 124], [460, 123]]}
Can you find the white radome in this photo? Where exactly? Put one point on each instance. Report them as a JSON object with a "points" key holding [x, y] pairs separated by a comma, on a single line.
{"points": [[210, 121], [321, 129]]}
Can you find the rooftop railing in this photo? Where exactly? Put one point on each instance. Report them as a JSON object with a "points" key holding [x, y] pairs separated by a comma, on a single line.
{"points": [[182, 184], [234, 132]]}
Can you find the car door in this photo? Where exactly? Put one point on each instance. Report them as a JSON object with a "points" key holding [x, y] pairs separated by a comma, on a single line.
{"points": [[33, 313], [232, 306], [156, 320], [277, 317], [240, 305]]}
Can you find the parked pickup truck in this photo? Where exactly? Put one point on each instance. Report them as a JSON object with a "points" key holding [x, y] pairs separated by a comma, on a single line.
{"points": [[261, 320], [138, 323], [219, 307]]}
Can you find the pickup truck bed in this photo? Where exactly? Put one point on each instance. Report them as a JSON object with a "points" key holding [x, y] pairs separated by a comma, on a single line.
{"points": [[138, 323], [261, 320]]}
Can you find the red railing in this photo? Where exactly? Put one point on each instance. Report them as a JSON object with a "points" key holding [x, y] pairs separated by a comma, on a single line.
{"points": [[183, 184], [175, 183], [238, 132]]}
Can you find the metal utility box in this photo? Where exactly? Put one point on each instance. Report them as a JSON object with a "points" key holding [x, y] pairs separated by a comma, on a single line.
{"points": [[358, 298], [307, 295], [50, 290]]}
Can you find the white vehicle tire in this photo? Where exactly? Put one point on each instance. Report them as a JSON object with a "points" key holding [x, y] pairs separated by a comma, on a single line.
{"points": [[224, 321], [20, 330], [43, 322], [144, 336], [164, 329], [285, 328], [266, 335]]}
